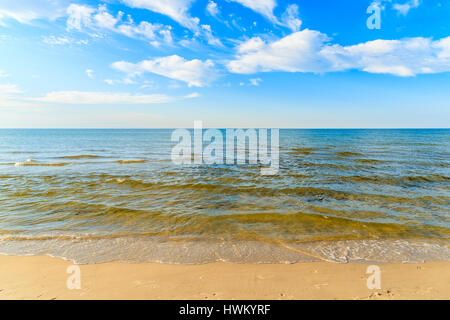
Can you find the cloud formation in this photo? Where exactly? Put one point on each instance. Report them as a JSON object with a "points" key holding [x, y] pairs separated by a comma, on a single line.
{"points": [[63, 40], [195, 73], [84, 97], [52, 40], [255, 81], [90, 73], [178, 11], [404, 8], [3, 74], [263, 7], [10, 96], [212, 8], [84, 17], [6, 89], [290, 18], [192, 95], [26, 11], [311, 51], [175, 9]]}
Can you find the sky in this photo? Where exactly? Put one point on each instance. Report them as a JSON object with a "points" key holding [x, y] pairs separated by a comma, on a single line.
{"points": [[228, 63]]}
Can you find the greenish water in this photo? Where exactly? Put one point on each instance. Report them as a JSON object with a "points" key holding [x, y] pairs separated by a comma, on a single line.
{"points": [[340, 195]]}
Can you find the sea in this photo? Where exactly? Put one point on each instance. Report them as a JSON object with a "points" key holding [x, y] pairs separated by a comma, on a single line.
{"points": [[353, 195]]}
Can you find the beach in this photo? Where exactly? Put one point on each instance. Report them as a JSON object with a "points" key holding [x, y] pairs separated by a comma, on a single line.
{"points": [[44, 277]]}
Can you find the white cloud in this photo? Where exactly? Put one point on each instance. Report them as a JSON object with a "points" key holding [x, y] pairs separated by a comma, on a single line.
{"points": [[290, 18], [195, 73], [81, 17], [90, 73], [178, 11], [252, 44], [167, 35], [126, 80], [104, 19], [83, 97], [209, 36], [192, 95], [52, 40], [310, 51], [255, 81], [212, 8], [264, 7], [175, 9], [403, 9], [26, 11], [3, 74], [6, 89], [298, 52], [82, 41], [149, 85], [10, 97], [251, 82]]}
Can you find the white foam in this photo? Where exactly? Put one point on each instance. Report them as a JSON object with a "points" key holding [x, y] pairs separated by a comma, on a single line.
{"points": [[150, 249]]}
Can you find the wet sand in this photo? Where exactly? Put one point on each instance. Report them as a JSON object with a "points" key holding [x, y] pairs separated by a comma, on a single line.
{"points": [[44, 277]]}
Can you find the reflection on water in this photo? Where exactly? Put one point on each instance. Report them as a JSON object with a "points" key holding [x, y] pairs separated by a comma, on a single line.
{"points": [[115, 194]]}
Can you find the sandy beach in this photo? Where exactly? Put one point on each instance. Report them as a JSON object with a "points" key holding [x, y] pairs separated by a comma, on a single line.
{"points": [[44, 277]]}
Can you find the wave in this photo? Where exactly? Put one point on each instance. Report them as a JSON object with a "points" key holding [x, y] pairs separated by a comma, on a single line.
{"points": [[303, 151], [348, 154], [131, 161], [226, 187], [32, 163], [24, 152], [392, 180], [83, 156], [371, 161], [150, 249]]}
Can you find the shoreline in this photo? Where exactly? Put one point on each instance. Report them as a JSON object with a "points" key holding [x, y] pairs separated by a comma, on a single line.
{"points": [[139, 249], [45, 277]]}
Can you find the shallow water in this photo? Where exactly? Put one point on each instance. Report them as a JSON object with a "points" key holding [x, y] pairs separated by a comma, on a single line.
{"points": [[340, 195]]}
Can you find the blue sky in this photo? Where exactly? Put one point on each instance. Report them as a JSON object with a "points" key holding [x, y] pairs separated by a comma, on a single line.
{"points": [[232, 63]]}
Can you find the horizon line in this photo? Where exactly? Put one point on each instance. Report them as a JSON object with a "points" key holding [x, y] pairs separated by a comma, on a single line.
{"points": [[280, 128]]}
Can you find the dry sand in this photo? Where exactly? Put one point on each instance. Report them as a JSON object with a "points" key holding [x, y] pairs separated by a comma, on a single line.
{"points": [[45, 278]]}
